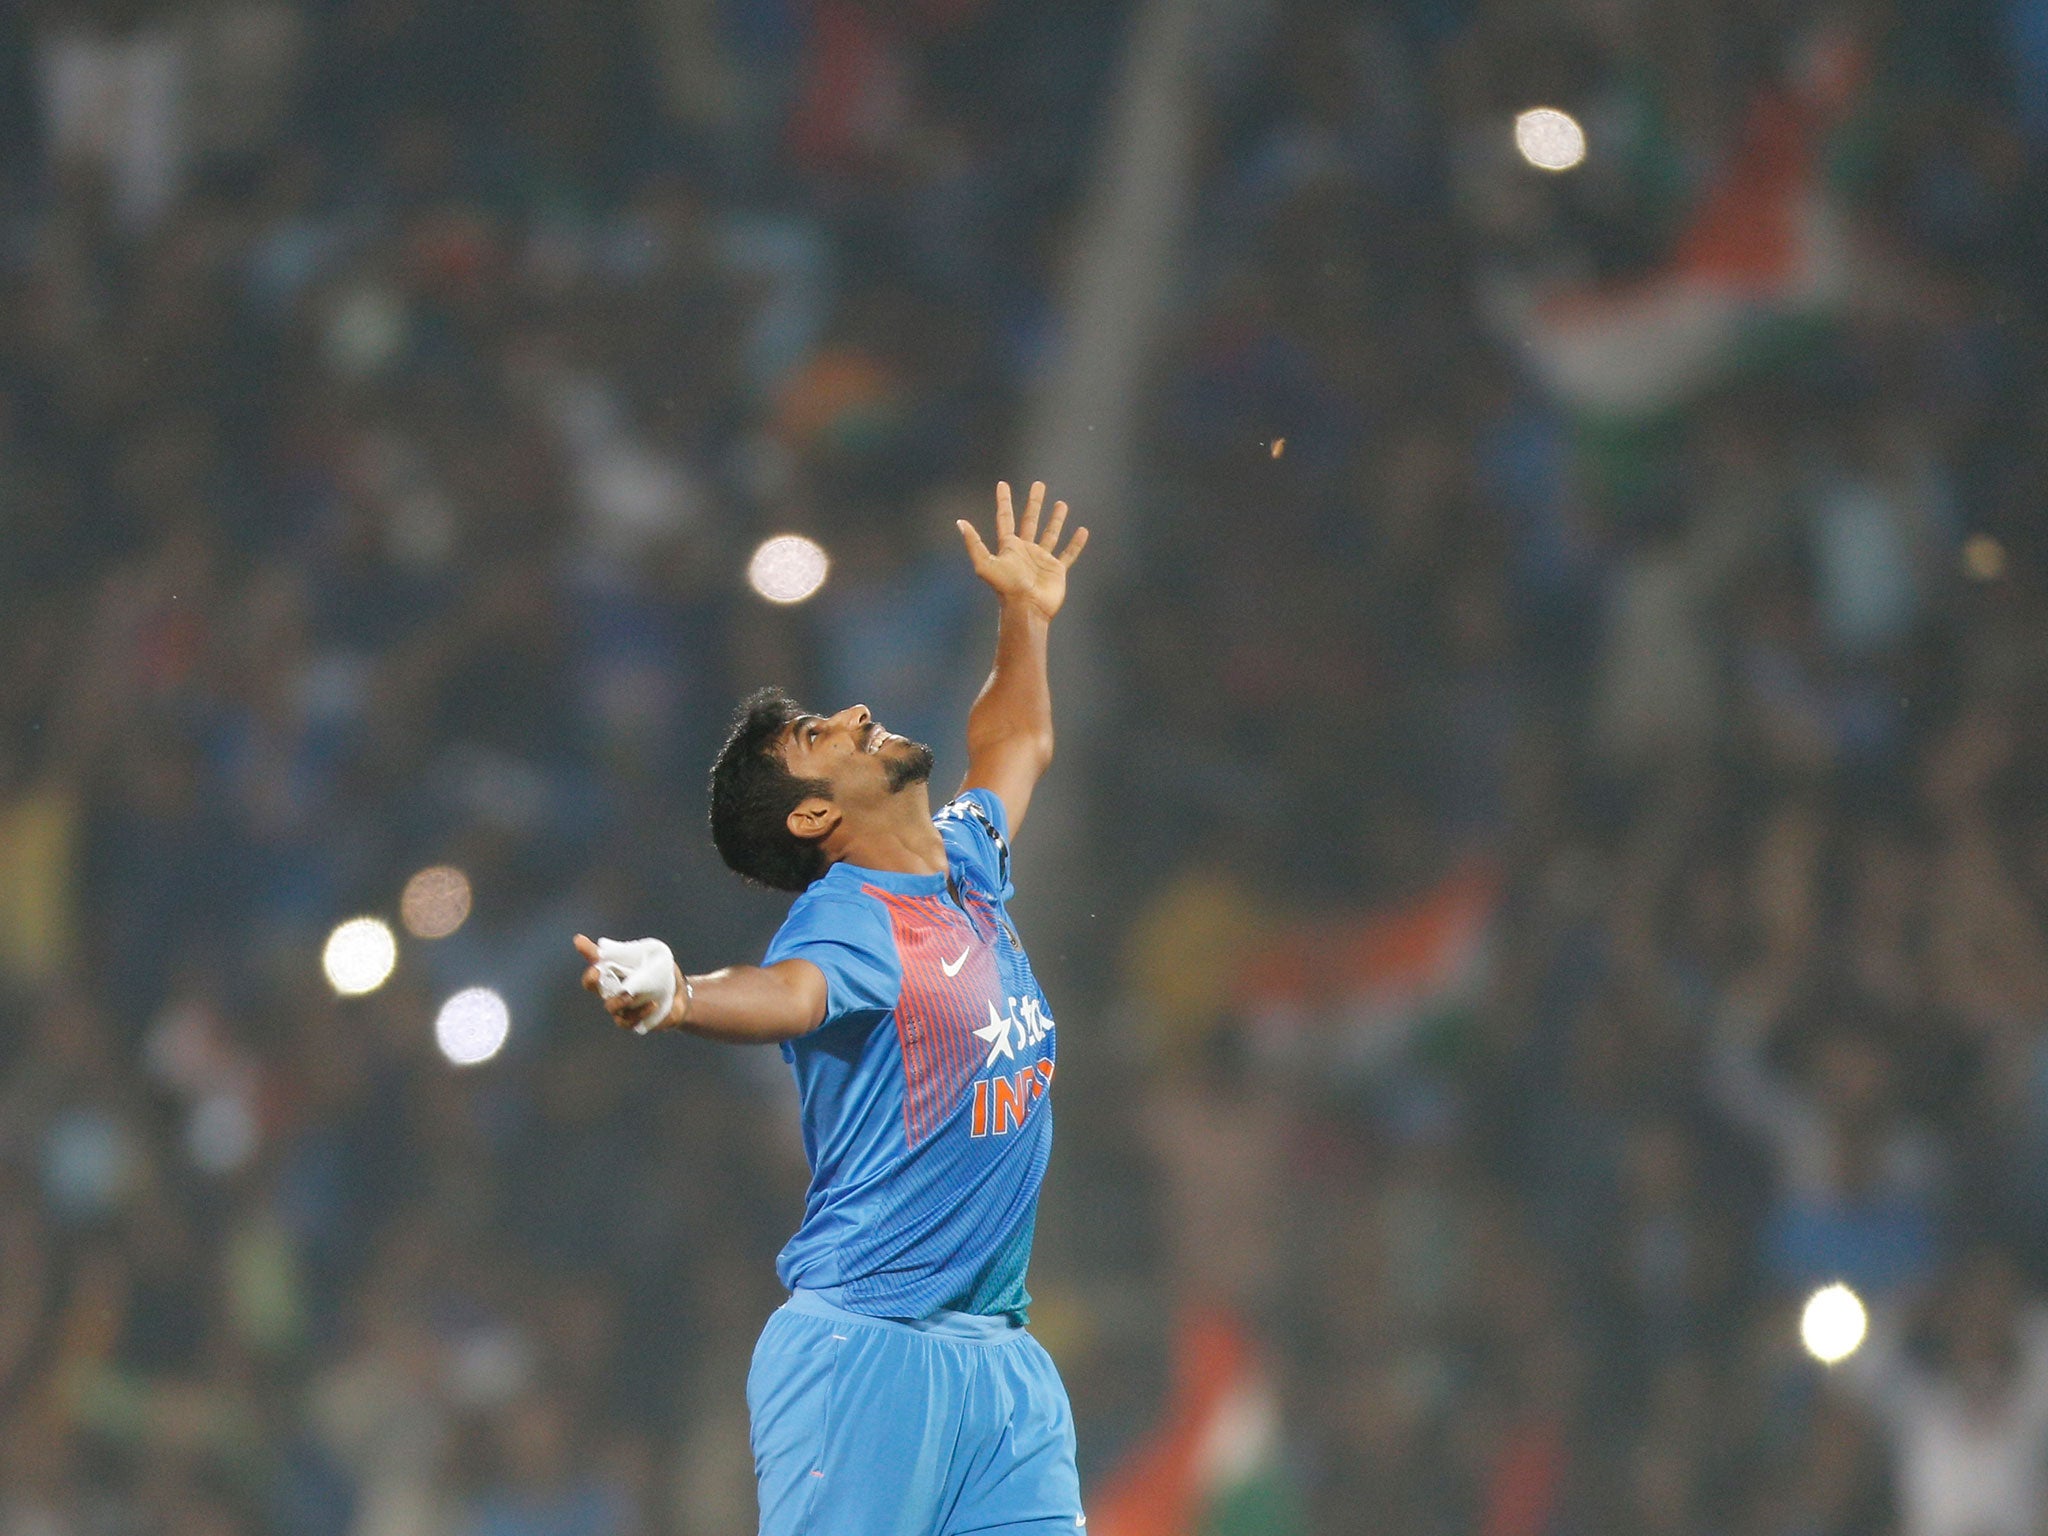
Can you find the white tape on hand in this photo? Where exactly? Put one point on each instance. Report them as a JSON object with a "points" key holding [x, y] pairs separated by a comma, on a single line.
{"points": [[643, 970]]}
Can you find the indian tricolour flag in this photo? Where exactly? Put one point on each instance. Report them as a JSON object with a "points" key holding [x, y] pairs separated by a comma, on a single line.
{"points": [[1362, 991], [1764, 249], [1213, 1465]]}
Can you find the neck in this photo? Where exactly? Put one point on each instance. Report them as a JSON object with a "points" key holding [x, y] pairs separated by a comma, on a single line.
{"points": [[899, 837]]}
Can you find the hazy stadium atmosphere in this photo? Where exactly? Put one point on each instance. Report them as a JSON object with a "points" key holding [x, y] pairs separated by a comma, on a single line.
{"points": [[1545, 870]]}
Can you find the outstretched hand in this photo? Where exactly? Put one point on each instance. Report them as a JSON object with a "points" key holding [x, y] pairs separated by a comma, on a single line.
{"points": [[636, 981], [1027, 562]]}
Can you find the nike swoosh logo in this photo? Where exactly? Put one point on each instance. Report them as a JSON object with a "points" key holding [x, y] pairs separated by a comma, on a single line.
{"points": [[954, 969]]}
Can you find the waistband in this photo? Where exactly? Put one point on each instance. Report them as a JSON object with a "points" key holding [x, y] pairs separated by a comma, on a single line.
{"points": [[968, 1327]]}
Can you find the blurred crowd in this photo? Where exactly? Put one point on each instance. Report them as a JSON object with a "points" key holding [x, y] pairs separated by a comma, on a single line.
{"points": [[1730, 710], [1563, 884]]}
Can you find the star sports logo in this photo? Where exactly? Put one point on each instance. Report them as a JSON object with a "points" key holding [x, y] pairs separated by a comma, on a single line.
{"points": [[1001, 1104], [1008, 1033]]}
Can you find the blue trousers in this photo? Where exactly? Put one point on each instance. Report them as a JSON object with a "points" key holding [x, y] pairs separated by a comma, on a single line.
{"points": [[864, 1426]]}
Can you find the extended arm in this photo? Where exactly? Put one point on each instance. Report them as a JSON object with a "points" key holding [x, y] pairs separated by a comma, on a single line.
{"points": [[1009, 730], [740, 1004], [1754, 1096]]}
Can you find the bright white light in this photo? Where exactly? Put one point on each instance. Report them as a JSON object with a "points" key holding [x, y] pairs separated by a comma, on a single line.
{"points": [[359, 956], [472, 1025], [1833, 1324], [788, 568], [435, 902], [1549, 139]]}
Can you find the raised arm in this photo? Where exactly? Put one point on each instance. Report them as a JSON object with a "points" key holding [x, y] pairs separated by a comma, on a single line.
{"points": [[741, 1004], [1009, 730]]}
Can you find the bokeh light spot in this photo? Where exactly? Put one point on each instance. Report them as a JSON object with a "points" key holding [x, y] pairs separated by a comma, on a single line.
{"points": [[436, 902], [472, 1026], [1983, 557], [788, 568], [359, 956], [1833, 1324], [1549, 139]]}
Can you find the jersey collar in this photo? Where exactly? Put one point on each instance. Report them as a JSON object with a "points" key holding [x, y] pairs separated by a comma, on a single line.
{"points": [[896, 882]]}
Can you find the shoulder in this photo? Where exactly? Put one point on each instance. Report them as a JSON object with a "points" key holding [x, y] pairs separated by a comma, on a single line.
{"points": [[848, 937], [833, 909], [976, 830], [980, 808]]}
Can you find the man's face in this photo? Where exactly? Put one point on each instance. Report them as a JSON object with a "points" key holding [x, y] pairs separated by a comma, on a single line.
{"points": [[863, 763]]}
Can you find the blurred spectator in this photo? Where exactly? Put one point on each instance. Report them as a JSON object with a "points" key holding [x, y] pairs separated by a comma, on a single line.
{"points": [[1967, 1420]]}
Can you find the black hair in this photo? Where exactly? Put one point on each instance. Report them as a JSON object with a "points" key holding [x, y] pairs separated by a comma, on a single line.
{"points": [[753, 792]]}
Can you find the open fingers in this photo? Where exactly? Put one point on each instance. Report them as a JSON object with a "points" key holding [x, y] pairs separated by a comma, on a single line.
{"points": [[1006, 516], [1075, 545], [586, 947], [976, 550], [1028, 529], [1050, 538]]}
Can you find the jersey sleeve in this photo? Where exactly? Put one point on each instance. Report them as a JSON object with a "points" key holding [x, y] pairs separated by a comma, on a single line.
{"points": [[849, 939], [976, 829]]}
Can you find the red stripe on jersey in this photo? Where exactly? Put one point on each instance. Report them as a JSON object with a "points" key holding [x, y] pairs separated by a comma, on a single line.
{"points": [[936, 1013]]}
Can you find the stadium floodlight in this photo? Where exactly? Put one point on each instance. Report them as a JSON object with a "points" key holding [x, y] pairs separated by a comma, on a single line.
{"points": [[360, 956], [472, 1026], [1549, 139], [1833, 1324], [788, 568], [435, 902]]}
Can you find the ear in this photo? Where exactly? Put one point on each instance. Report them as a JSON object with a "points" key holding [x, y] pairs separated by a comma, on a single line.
{"points": [[813, 818]]}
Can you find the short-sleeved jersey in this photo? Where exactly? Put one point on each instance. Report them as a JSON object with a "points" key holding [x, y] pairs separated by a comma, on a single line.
{"points": [[926, 1116]]}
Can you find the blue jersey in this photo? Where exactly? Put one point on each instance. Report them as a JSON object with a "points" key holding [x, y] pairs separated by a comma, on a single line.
{"points": [[925, 1111]]}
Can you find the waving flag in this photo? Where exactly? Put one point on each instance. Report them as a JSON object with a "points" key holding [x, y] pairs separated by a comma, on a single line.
{"points": [[1212, 1467], [1764, 248]]}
